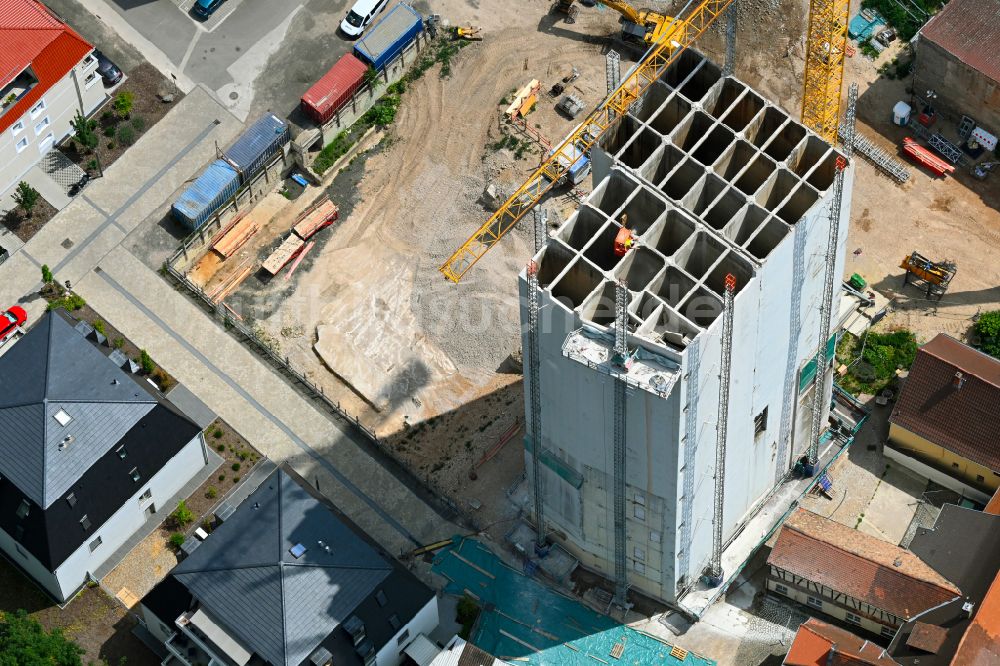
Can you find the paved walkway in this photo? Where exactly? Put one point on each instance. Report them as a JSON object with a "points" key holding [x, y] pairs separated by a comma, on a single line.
{"points": [[84, 244]]}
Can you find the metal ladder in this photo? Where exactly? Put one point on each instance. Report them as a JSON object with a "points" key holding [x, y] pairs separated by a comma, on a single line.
{"points": [[882, 160]]}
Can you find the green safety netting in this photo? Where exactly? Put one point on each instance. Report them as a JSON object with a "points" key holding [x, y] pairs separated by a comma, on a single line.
{"points": [[525, 622]]}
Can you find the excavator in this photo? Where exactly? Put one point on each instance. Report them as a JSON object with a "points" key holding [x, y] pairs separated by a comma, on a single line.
{"points": [[643, 26]]}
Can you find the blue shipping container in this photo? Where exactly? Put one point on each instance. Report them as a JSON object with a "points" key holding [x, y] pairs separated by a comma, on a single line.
{"points": [[387, 38], [206, 195], [257, 145]]}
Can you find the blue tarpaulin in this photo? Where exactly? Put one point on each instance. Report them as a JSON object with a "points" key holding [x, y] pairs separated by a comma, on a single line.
{"points": [[861, 28]]}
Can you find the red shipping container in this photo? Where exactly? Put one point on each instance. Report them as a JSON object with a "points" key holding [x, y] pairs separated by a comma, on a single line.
{"points": [[333, 90]]}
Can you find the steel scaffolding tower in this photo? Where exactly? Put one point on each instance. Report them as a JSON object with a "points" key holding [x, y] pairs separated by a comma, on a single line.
{"points": [[620, 360], [730, 65], [541, 222], [535, 407], [713, 572], [613, 70], [826, 312]]}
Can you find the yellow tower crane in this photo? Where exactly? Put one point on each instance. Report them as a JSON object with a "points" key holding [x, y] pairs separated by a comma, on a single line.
{"points": [[826, 45], [677, 35]]}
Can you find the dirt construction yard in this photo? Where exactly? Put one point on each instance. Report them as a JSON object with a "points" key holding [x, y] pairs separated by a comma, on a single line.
{"points": [[427, 364]]}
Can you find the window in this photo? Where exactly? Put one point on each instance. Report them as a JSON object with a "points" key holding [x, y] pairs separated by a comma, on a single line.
{"points": [[71, 500], [135, 474], [814, 602], [121, 452], [639, 512], [640, 499], [640, 554], [37, 109], [760, 422], [888, 632], [979, 478], [955, 465], [23, 509], [402, 638], [394, 622], [22, 144], [17, 127], [780, 589], [852, 618], [654, 537], [85, 523], [42, 124], [95, 544], [62, 418], [90, 80], [381, 598], [639, 567], [146, 496]]}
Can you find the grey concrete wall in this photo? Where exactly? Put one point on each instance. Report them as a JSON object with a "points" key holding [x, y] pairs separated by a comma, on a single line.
{"points": [[961, 89]]}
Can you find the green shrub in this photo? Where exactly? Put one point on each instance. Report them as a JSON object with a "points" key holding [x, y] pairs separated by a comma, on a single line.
{"points": [[26, 197], [236, 479], [109, 131], [124, 101], [119, 342], [885, 352], [182, 515], [465, 614], [69, 302], [383, 113], [220, 448], [222, 477], [126, 135], [397, 88], [146, 363], [84, 131], [177, 540], [99, 327], [46, 274], [211, 493], [988, 328], [333, 152], [138, 123], [236, 467], [217, 433]]}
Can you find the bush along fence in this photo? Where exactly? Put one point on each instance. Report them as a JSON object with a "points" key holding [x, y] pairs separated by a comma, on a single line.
{"points": [[363, 99]]}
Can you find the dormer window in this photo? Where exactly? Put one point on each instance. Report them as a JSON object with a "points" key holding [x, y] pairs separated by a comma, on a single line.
{"points": [[71, 500], [62, 418], [85, 523], [135, 474]]}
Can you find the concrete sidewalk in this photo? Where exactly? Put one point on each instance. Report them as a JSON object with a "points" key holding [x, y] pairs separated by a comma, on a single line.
{"points": [[132, 188], [272, 415]]}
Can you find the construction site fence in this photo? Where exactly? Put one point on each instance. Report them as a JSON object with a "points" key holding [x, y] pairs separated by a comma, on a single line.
{"points": [[255, 189], [363, 99], [233, 323]]}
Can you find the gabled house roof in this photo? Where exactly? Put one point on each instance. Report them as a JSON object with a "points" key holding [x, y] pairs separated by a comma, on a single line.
{"points": [[285, 572], [63, 405], [965, 29], [849, 561], [820, 644], [31, 36], [961, 415]]}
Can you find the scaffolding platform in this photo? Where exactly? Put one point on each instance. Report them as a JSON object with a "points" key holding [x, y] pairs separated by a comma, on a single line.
{"points": [[647, 371]]}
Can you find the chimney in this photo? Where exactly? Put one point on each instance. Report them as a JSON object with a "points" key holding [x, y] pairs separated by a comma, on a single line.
{"points": [[830, 656], [958, 380]]}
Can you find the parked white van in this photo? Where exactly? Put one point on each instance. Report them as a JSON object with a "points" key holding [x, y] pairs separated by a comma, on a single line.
{"points": [[361, 15]]}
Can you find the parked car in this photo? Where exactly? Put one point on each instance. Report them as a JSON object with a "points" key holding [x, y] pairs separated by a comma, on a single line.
{"points": [[10, 321], [361, 15], [108, 70], [205, 8]]}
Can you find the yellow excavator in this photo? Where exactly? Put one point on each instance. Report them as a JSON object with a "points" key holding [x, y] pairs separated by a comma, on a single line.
{"points": [[643, 26]]}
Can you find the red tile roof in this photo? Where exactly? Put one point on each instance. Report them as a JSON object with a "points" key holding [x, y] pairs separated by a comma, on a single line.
{"points": [[927, 637], [815, 641], [962, 420], [969, 30], [30, 35], [981, 643], [993, 506], [869, 569]]}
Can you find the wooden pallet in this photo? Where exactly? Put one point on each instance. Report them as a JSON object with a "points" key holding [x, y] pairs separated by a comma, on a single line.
{"points": [[235, 237], [323, 214], [287, 251]]}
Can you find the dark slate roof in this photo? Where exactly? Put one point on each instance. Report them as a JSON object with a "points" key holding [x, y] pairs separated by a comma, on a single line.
{"points": [[968, 29], [283, 607], [962, 420], [961, 546], [52, 369]]}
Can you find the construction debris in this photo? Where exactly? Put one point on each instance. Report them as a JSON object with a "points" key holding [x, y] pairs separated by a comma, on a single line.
{"points": [[524, 100]]}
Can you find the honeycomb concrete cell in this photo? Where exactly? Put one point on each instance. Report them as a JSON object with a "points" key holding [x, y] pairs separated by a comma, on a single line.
{"points": [[713, 180]]}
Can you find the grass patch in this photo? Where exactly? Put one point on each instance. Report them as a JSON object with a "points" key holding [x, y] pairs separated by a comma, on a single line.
{"points": [[881, 354], [333, 152]]}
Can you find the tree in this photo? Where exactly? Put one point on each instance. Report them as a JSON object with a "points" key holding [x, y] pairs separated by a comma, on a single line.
{"points": [[988, 328], [84, 128], [124, 101], [182, 515], [26, 197], [47, 276], [23, 642]]}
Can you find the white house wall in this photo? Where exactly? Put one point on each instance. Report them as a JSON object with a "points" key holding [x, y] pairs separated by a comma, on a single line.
{"points": [[424, 622]]}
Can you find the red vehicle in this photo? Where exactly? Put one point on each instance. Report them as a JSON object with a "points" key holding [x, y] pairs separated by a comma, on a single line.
{"points": [[10, 321]]}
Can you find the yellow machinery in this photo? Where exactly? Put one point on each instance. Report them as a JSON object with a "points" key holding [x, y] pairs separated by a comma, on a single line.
{"points": [[676, 36], [644, 26], [936, 274], [473, 33], [826, 45]]}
